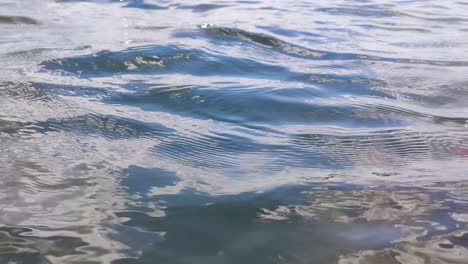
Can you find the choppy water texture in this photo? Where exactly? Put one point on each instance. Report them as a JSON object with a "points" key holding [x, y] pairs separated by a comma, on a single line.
{"points": [[234, 131]]}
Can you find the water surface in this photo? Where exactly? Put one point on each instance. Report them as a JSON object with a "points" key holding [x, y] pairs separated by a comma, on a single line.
{"points": [[233, 131]]}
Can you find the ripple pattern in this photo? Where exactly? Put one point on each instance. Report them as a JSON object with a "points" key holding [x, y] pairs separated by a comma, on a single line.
{"points": [[145, 131]]}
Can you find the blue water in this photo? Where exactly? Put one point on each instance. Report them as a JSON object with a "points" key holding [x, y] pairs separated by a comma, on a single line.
{"points": [[233, 131]]}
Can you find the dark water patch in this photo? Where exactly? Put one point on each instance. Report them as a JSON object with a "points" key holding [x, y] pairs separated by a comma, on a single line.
{"points": [[220, 224], [170, 59], [111, 127], [304, 106], [389, 111], [366, 12], [451, 20], [90, 1], [263, 40], [11, 127], [378, 13], [408, 29], [158, 60], [57, 246], [46, 185], [281, 224], [173, 59], [200, 8], [451, 93], [4, 19], [461, 240], [139, 4], [143, 5], [454, 63], [73, 90], [141, 180], [151, 28], [237, 105]]}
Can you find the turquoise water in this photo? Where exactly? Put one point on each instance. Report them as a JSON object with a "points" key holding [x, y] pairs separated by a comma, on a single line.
{"points": [[233, 131]]}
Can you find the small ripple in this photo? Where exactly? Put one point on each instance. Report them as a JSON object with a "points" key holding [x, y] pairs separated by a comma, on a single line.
{"points": [[30, 56], [18, 20], [367, 12], [374, 148], [378, 13], [24, 91], [397, 29], [200, 8], [141, 4], [152, 28], [390, 111], [110, 127]]}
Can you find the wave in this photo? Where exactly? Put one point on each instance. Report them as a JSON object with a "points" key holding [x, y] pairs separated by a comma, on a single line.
{"points": [[264, 40], [18, 20]]}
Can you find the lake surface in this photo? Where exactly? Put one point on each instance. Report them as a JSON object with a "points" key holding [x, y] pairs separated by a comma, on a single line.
{"points": [[234, 131]]}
